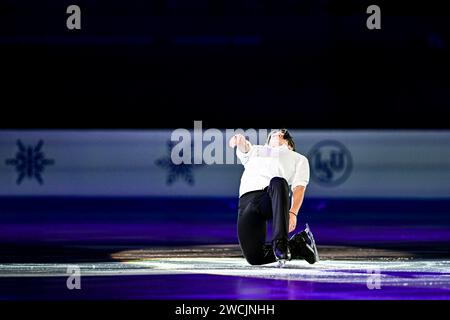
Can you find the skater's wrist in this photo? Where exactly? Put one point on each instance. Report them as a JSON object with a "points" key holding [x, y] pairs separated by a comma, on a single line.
{"points": [[292, 212]]}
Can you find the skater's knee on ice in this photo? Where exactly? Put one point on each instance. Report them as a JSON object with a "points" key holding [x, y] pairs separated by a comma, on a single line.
{"points": [[254, 260]]}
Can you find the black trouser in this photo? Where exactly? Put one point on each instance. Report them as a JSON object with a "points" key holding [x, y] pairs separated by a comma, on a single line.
{"points": [[255, 209]]}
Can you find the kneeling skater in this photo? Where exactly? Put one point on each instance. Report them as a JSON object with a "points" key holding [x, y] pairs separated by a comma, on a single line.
{"points": [[264, 194]]}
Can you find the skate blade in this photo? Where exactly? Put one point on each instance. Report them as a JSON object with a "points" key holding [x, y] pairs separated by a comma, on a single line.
{"points": [[281, 263]]}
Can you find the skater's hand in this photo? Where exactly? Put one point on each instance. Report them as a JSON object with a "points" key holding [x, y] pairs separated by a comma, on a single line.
{"points": [[236, 139], [292, 221]]}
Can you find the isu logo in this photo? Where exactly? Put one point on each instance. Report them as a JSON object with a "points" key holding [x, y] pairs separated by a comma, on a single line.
{"points": [[331, 163]]}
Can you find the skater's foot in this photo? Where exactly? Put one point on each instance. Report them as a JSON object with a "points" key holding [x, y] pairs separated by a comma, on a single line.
{"points": [[281, 250], [303, 246]]}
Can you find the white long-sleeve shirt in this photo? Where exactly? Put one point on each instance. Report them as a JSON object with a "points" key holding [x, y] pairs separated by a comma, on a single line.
{"points": [[262, 163]]}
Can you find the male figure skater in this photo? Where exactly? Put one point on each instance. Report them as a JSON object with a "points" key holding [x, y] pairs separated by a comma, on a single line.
{"points": [[264, 194]]}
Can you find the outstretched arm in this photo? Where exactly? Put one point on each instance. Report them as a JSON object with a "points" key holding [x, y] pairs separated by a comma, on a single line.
{"points": [[297, 200]]}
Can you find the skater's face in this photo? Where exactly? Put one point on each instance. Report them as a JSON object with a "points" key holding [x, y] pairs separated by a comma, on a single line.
{"points": [[277, 139]]}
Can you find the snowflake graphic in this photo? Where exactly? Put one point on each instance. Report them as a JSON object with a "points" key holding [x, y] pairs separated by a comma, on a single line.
{"points": [[176, 171], [30, 162]]}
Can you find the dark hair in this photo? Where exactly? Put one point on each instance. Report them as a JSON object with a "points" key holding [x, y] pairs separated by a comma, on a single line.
{"points": [[286, 135]]}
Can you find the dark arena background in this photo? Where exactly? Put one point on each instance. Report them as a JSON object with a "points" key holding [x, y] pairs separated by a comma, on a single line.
{"points": [[88, 188]]}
